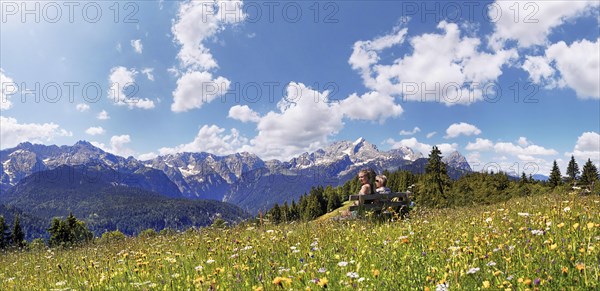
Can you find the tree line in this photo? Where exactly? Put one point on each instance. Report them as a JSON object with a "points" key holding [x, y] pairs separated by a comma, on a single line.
{"points": [[435, 189], [65, 232]]}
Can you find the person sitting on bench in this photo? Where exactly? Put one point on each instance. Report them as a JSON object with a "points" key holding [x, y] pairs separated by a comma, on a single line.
{"points": [[364, 177], [380, 184]]}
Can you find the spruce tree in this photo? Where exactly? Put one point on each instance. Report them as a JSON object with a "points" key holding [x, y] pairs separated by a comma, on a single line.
{"points": [[56, 232], [71, 226], [294, 211], [275, 213], [333, 201], [18, 236], [313, 208], [572, 170], [555, 177], [523, 180], [589, 174], [68, 231], [434, 185], [4, 235], [285, 212]]}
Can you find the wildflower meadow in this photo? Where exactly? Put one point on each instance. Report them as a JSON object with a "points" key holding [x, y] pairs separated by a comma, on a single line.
{"points": [[547, 242]]}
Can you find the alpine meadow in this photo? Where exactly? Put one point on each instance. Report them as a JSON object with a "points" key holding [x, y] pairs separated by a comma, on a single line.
{"points": [[300, 145]]}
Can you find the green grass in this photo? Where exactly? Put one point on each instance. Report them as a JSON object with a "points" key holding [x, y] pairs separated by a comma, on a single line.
{"points": [[550, 242], [335, 213]]}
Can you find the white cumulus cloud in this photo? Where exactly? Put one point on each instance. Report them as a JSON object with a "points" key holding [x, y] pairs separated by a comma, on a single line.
{"points": [[118, 146], [103, 115], [414, 131], [212, 139], [576, 66], [530, 22], [370, 106], [444, 67], [7, 88], [462, 128], [147, 156], [423, 148], [199, 20], [12, 132], [587, 147], [304, 122], [123, 89], [196, 22], [579, 66], [243, 113], [97, 130], [305, 119], [365, 53], [480, 144], [530, 150], [539, 69], [194, 89]]}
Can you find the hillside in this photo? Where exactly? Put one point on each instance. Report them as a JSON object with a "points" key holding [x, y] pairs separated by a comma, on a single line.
{"points": [[548, 242], [98, 198]]}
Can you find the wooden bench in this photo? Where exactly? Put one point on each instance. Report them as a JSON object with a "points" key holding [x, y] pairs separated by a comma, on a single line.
{"points": [[380, 201], [583, 189]]}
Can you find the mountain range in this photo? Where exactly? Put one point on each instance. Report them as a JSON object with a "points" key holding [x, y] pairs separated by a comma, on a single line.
{"points": [[96, 195], [242, 179]]}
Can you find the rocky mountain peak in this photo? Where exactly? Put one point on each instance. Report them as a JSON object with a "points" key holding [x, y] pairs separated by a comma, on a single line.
{"points": [[457, 160], [241, 178]]}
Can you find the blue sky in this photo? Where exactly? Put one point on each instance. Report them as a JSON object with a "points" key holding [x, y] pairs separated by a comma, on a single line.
{"points": [[511, 85]]}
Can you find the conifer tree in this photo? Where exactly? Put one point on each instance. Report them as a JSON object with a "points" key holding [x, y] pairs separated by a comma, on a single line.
{"points": [[589, 174], [572, 170], [18, 236], [56, 232], [523, 180], [4, 235], [555, 177], [68, 231], [71, 224], [285, 212], [275, 214], [434, 185], [294, 211], [333, 201], [313, 208]]}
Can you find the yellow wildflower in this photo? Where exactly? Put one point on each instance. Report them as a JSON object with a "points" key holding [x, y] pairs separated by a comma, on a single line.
{"points": [[279, 281], [486, 284], [323, 282]]}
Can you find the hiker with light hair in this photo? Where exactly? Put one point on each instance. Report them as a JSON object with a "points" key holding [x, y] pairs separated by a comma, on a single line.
{"points": [[380, 185]]}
